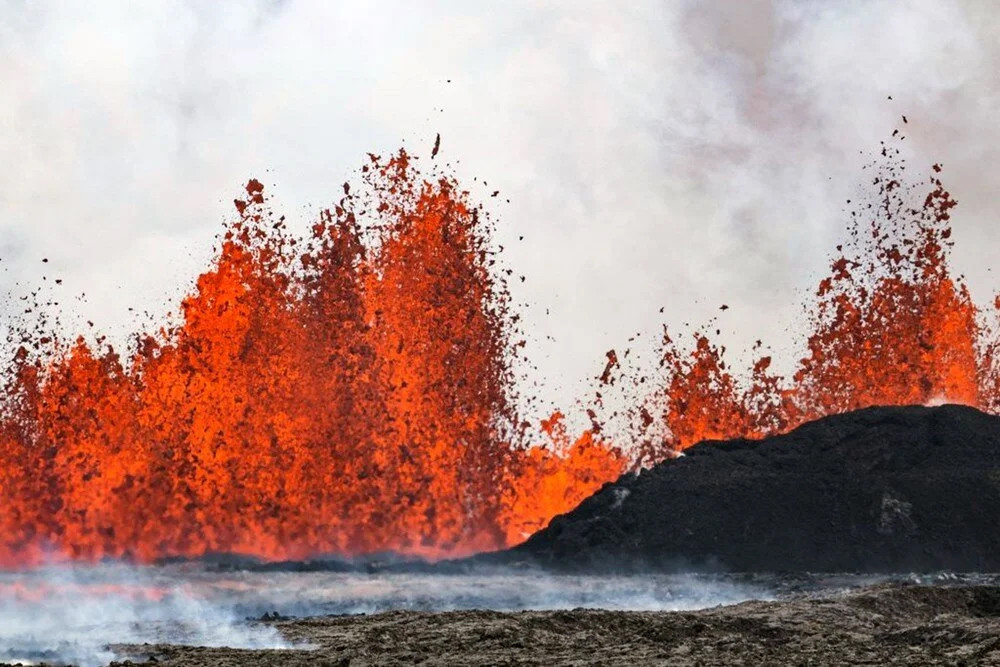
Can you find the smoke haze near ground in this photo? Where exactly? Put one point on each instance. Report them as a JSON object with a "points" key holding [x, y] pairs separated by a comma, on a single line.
{"points": [[683, 154], [72, 614]]}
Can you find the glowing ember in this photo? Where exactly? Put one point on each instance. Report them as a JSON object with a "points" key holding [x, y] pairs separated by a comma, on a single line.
{"points": [[352, 391]]}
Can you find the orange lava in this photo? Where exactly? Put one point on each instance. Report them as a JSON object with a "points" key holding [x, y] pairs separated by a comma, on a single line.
{"points": [[346, 393], [890, 325], [351, 392]]}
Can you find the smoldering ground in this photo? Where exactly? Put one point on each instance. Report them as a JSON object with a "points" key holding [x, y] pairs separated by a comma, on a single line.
{"points": [[63, 614], [889, 624]]}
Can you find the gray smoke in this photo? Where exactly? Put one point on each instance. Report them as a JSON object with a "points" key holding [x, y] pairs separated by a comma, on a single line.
{"points": [[72, 614], [78, 614], [682, 154]]}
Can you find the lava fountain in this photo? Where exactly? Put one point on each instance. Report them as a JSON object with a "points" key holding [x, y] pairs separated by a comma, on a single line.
{"points": [[889, 325], [352, 391], [344, 393]]}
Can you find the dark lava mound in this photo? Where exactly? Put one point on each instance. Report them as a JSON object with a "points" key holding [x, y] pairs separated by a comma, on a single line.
{"points": [[887, 489]]}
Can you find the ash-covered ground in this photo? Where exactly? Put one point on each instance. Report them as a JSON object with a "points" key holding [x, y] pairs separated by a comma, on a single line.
{"points": [[64, 615], [198, 614], [883, 489], [888, 624]]}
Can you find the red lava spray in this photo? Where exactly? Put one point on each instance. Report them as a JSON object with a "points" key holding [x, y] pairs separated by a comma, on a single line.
{"points": [[352, 391]]}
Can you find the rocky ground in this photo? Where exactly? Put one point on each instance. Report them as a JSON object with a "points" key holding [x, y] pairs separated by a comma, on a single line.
{"points": [[878, 625]]}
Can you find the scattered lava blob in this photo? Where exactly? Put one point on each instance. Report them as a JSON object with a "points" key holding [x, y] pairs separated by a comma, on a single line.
{"points": [[351, 391]]}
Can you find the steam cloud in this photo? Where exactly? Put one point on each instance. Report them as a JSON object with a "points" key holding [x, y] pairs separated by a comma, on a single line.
{"points": [[71, 615], [680, 154]]}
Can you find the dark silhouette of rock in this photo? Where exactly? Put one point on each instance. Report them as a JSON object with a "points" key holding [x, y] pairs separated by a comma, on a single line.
{"points": [[886, 489]]}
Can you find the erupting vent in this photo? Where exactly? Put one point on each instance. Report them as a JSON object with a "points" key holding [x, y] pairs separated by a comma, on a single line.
{"points": [[352, 391], [890, 325]]}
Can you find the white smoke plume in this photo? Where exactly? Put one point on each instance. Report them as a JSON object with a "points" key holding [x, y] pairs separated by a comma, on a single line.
{"points": [[70, 615], [679, 154]]}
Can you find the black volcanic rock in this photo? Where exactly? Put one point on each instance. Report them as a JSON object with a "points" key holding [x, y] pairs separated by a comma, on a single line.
{"points": [[877, 490]]}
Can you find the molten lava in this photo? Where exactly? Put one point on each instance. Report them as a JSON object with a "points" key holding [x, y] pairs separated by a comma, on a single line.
{"points": [[890, 326], [342, 394], [352, 391]]}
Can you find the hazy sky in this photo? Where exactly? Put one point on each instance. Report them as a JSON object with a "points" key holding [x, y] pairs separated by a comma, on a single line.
{"points": [[676, 154]]}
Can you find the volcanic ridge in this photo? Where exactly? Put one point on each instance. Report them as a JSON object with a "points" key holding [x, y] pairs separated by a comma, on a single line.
{"points": [[883, 489]]}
